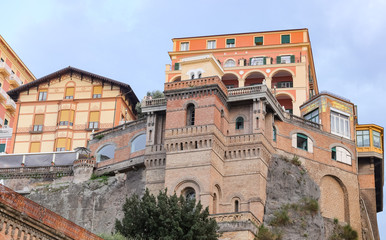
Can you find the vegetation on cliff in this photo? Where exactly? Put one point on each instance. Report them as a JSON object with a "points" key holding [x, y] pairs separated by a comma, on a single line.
{"points": [[165, 217]]}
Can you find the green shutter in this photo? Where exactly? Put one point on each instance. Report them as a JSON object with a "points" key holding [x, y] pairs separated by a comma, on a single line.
{"points": [[302, 136], [285, 38], [177, 66], [2, 147], [265, 60], [258, 40], [278, 59], [231, 41], [292, 58], [250, 61]]}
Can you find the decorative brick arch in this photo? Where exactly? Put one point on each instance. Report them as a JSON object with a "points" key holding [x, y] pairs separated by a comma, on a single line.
{"points": [[334, 198], [175, 78], [281, 69]]}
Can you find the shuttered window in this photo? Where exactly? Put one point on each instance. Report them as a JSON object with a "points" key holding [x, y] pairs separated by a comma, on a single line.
{"points": [[230, 43], [258, 40], [94, 120], [2, 147], [70, 93], [177, 66], [66, 118], [285, 39], [97, 92], [38, 123], [35, 147]]}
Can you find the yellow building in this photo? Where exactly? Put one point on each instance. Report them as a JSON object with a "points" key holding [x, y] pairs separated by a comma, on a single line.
{"points": [[59, 112]]}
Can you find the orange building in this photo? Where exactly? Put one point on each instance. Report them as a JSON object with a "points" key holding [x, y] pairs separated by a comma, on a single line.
{"points": [[281, 59], [13, 73], [58, 112]]}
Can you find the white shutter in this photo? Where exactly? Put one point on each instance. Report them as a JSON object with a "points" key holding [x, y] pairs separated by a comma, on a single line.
{"points": [[294, 140], [310, 145]]}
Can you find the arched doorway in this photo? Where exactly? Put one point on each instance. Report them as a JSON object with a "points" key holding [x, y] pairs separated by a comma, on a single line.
{"points": [[282, 79], [254, 78], [230, 80], [333, 199]]}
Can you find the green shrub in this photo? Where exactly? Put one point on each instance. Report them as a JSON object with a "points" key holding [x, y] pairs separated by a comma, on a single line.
{"points": [[343, 233], [311, 205], [281, 217], [116, 236], [265, 234], [295, 161]]}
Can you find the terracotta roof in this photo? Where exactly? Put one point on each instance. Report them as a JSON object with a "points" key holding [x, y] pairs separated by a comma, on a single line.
{"points": [[14, 93]]}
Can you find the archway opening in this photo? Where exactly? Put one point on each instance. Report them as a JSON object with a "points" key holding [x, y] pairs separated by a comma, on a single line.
{"points": [[286, 102], [254, 78], [230, 80], [282, 79]]}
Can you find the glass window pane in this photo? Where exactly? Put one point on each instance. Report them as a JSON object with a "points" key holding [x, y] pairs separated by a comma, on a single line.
{"points": [[105, 153], [138, 143]]}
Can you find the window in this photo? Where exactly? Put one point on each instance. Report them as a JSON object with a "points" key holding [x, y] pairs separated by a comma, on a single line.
{"points": [[285, 39], [6, 122], [66, 118], [189, 194], [105, 153], [302, 141], [97, 92], [35, 147], [184, 46], [363, 138], [257, 61], [230, 63], [211, 44], [38, 123], [190, 116], [341, 155], [1, 59], [240, 123], [313, 116], [258, 41], [94, 120], [177, 66], [192, 75], [284, 85], [69, 93], [376, 139], [340, 124], [63, 144], [237, 205], [274, 134], [42, 95], [230, 43], [138, 143], [285, 59], [2, 147], [199, 74]]}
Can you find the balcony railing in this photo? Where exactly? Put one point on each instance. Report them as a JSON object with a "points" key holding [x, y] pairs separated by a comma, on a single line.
{"points": [[262, 61], [6, 132], [3, 94], [246, 90], [10, 104], [153, 102], [5, 69], [36, 128], [15, 80], [306, 122], [236, 217], [196, 83]]}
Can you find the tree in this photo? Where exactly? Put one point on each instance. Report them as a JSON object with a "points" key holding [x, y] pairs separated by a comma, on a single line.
{"points": [[165, 217]]}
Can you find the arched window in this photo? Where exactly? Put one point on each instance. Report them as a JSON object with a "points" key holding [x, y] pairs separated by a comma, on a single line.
{"points": [[214, 203], [341, 155], [192, 76], [105, 153], [190, 114], [199, 74], [274, 133], [236, 205], [138, 143], [240, 123], [230, 63], [189, 194]]}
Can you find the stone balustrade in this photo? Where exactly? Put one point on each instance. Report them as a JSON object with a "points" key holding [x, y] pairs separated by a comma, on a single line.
{"points": [[196, 83], [236, 217]]}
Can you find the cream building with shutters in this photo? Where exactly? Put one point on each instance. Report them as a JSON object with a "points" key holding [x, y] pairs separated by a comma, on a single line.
{"points": [[60, 111]]}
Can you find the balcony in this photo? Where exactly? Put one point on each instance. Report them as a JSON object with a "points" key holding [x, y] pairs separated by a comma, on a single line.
{"points": [[15, 81], [6, 132], [5, 69], [34, 129], [261, 61], [3, 94], [10, 105], [369, 140], [158, 104], [196, 83]]}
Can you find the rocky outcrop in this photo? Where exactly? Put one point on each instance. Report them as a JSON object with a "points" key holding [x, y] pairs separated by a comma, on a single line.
{"points": [[291, 208], [94, 204]]}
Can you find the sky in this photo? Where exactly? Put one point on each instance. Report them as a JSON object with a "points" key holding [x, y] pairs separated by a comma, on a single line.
{"points": [[129, 40]]}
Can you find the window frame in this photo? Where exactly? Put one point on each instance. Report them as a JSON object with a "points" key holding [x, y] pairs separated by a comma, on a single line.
{"points": [[341, 154], [302, 144], [310, 116], [362, 137], [239, 123], [228, 61], [340, 116], [262, 41], [136, 138], [184, 46], [379, 139], [230, 45], [211, 44], [42, 95]]}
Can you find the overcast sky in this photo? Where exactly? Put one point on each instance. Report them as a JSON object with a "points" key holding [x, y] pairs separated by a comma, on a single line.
{"points": [[129, 40]]}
